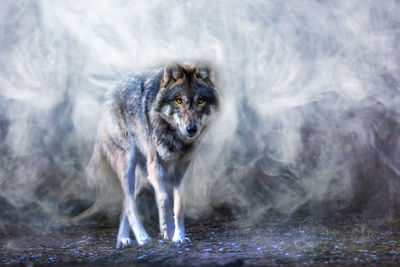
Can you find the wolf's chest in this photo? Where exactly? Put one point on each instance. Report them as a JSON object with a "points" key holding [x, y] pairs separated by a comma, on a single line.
{"points": [[170, 148], [166, 154]]}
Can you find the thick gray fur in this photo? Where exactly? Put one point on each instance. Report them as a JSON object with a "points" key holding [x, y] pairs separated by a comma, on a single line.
{"points": [[149, 130]]}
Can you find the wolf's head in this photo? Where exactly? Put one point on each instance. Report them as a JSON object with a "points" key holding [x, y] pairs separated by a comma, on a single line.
{"points": [[187, 98]]}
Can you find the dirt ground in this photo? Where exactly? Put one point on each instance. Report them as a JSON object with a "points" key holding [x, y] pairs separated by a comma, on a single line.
{"points": [[273, 240]]}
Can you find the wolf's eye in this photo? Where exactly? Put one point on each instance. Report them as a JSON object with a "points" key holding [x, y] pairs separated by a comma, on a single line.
{"points": [[178, 100], [200, 101]]}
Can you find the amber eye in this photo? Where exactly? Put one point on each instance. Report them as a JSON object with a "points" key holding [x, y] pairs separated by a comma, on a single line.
{"points": [[200, 101], [178, 100]]}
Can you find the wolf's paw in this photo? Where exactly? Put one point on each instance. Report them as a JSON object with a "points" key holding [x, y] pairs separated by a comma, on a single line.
{"points": [[124, 242], [181, 239], [166, 232], [144, 239]]}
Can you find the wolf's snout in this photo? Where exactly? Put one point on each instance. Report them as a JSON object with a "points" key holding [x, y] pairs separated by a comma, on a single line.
{"points": [[192, 130]]}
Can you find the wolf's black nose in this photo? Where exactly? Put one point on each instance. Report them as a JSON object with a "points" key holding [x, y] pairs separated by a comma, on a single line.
{"points": [[191, 129]]}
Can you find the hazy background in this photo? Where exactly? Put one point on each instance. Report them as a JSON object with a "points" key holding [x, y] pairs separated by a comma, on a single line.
{"points": [[311, 99]]}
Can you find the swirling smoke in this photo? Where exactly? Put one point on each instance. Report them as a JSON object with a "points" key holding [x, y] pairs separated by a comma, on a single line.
{"points": [[311, 98]]}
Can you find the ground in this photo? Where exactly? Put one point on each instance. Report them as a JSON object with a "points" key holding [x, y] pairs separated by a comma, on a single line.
{"points": [[272, 240]]}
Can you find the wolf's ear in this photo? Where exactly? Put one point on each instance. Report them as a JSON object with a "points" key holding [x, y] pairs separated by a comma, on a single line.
{"points": [[172, 71], [205, 71]]}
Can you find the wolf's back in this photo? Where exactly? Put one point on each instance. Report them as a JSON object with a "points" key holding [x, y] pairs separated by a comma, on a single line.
{"points": [[126, 103]]}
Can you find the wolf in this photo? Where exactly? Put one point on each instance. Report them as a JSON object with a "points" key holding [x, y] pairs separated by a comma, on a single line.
{"points": [[148, 133]]}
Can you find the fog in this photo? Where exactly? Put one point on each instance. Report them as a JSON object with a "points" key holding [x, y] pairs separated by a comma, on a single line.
{"points": [[310, 89]]}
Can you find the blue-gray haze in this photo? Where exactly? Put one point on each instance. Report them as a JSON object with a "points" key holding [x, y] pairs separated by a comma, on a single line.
{"points": [[311, 97]]}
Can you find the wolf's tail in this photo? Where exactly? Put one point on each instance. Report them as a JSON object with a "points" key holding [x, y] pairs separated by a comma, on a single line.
{"points": [[101, 188]]}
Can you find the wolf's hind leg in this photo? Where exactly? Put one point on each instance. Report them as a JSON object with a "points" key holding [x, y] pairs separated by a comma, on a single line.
{"points": [[127, 177], [123, 239]]}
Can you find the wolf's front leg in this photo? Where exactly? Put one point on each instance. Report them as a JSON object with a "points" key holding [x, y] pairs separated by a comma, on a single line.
{"points": [[157, 180], [179, 206], [126, 172]]}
